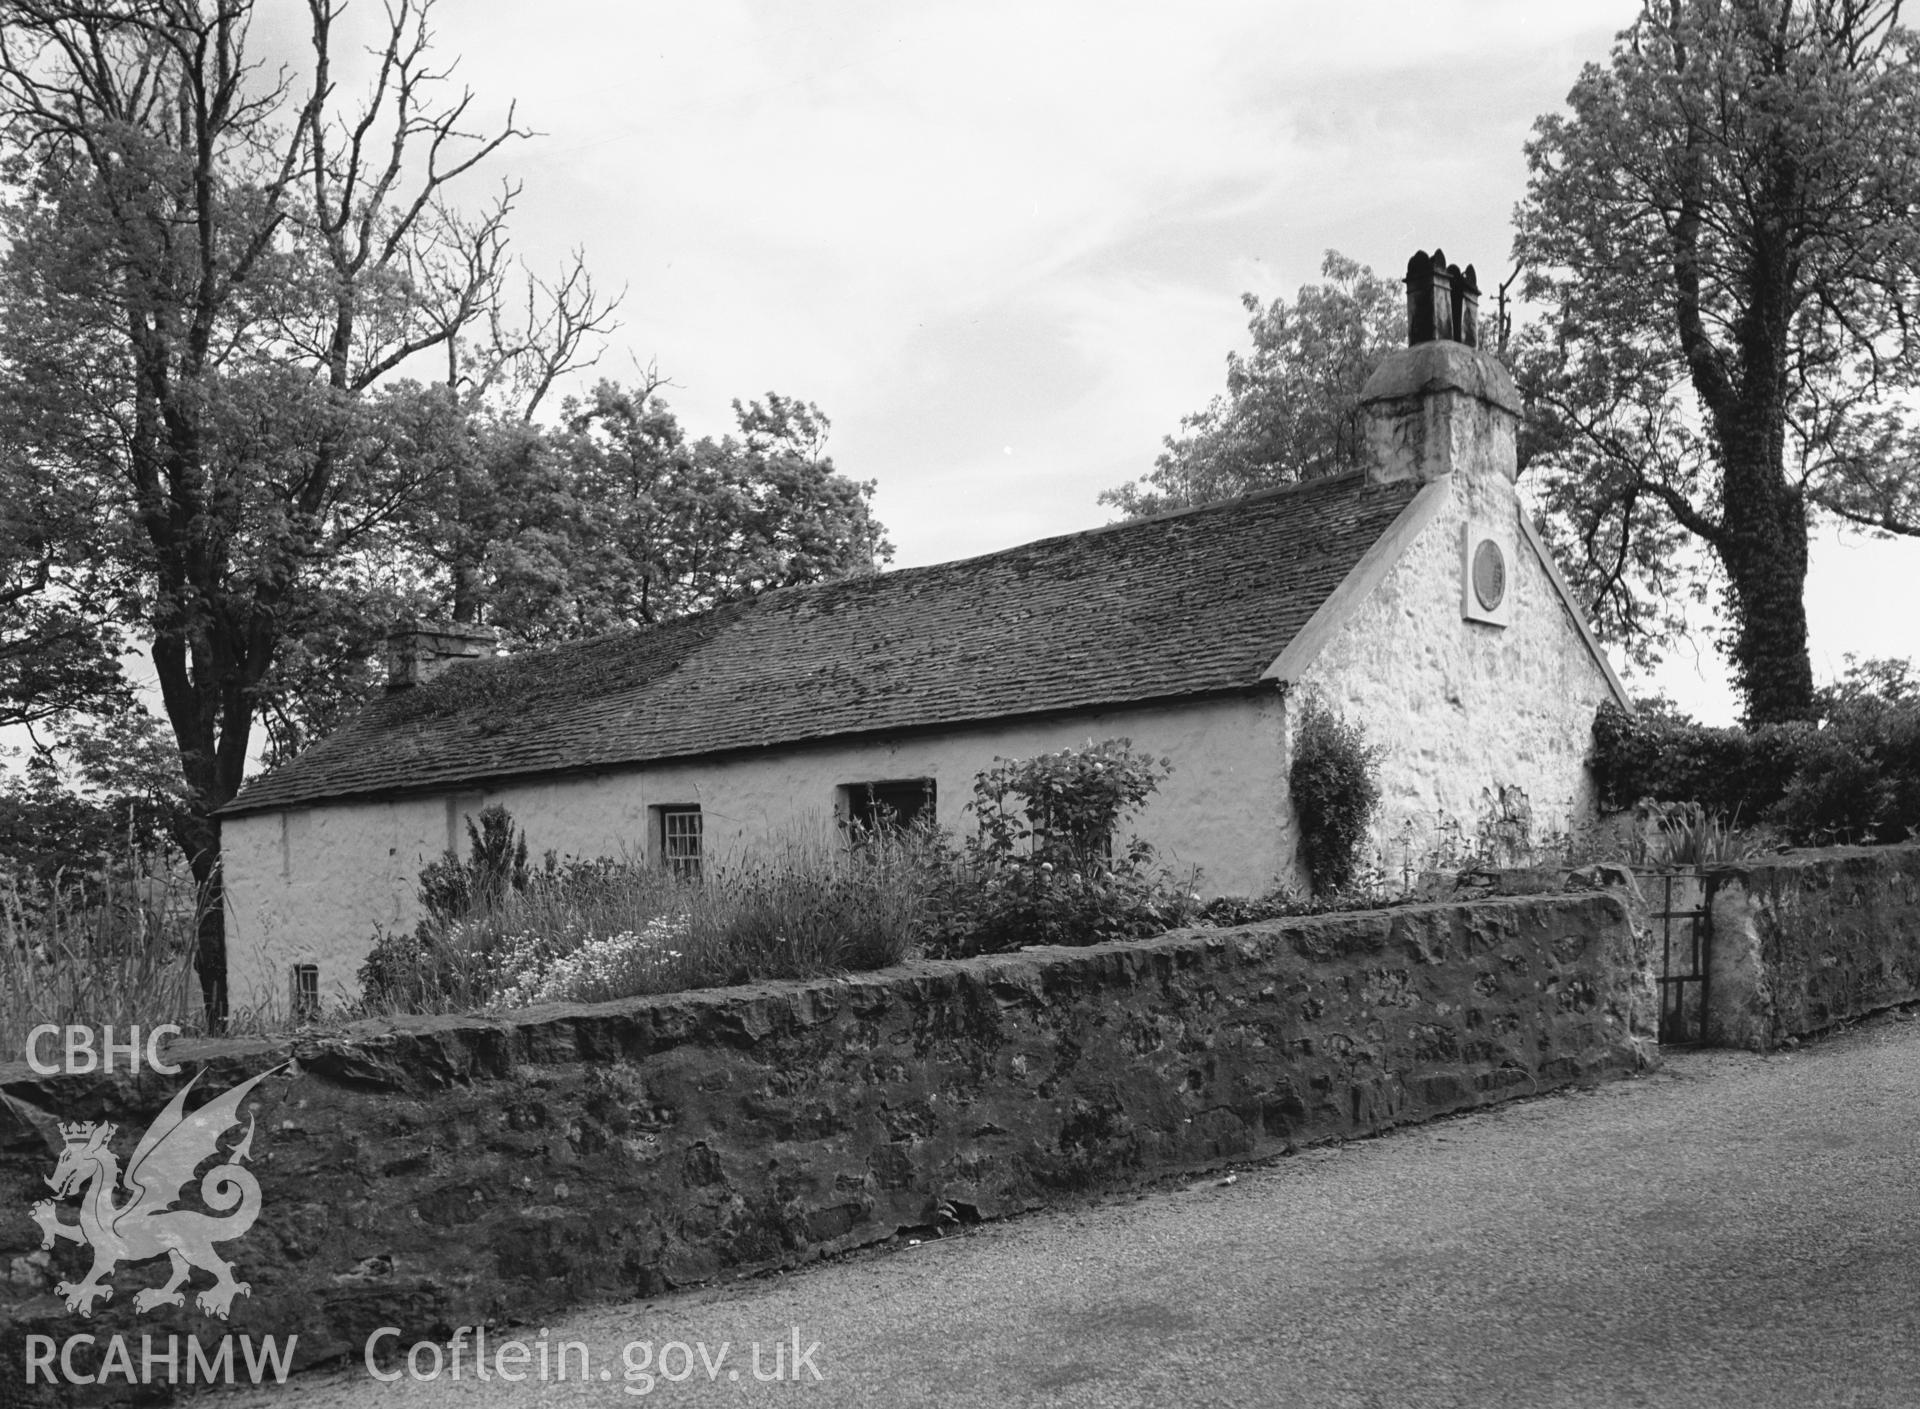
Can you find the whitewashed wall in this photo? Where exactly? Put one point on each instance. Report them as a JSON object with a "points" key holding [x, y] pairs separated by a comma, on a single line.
{"points": [[310, 885], [1460, 706]]}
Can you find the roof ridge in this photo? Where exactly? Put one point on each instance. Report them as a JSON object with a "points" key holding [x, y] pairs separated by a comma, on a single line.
{"points": [[622, 633], [1212, 506]]}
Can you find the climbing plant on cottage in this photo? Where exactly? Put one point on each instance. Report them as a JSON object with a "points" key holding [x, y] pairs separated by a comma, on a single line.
{"points": [[1335, 786]]}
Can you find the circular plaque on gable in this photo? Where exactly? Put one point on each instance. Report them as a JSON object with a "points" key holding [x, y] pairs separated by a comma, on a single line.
{"points": [[1489, 575]]}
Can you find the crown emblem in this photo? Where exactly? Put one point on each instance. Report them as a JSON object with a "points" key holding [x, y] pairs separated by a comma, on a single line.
{"points": [[82, 1132]]}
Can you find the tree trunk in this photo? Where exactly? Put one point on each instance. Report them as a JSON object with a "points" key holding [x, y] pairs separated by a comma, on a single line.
{"points": [[1764, 551], [198, 835], [212, 723], [200, 838]]}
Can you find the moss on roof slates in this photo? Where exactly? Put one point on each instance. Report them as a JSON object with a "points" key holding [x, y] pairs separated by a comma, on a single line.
{"points": [[1187, 603]]}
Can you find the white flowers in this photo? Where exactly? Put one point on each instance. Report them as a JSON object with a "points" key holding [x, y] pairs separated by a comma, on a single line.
{"points": [[572, 967]]}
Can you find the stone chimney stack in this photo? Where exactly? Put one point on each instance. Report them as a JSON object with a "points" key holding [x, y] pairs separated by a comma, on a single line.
{"points": [[417, 651], [1440, 405]]}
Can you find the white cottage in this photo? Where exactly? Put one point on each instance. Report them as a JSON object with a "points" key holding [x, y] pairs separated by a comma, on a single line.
{"points": [[1415, 597]]}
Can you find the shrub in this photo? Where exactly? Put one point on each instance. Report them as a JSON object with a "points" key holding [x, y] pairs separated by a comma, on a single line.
{"points": [[1852, 775], [1661, 754], [1839, 793], [1859, 778], [1069, 803], [1900, 756], [1043, 868], [496, 862], [437, 965], [990, 905], [1335, 789]]}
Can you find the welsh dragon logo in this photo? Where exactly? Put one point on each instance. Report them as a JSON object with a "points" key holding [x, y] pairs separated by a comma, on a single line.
{"points": [[147, 1224]]}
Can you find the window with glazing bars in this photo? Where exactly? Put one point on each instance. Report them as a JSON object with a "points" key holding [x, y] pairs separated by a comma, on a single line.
{"points": [[306, 991], [680, 840]]}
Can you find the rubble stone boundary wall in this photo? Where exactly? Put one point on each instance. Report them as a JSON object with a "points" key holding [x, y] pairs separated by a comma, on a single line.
{"points": [[1804, 941], [438, 1172]]}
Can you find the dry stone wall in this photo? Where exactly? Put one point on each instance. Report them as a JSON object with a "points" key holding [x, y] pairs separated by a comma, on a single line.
{"points": [[447, 1172]]}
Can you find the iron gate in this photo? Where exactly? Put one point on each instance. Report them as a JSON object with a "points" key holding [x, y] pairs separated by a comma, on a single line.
{"points": [[1684, 912]]}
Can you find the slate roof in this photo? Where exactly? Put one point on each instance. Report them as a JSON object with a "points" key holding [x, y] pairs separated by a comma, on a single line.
{"points": [[1191, 603]]}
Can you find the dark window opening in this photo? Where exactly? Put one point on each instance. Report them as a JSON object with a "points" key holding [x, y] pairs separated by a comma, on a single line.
{"points": [[904, 802]]}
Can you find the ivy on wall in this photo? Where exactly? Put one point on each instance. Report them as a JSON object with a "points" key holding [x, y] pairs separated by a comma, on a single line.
{"points": [[1334, 781]]}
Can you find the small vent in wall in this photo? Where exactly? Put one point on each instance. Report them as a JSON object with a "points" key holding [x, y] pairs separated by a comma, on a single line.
{"points": [[1486, 576]]}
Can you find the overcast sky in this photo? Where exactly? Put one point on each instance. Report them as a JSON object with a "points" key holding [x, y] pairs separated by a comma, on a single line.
{"points": [[1002, 244]]}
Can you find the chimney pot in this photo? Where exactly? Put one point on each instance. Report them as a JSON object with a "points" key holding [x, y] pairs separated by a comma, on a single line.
{"points": [[1430, 306], [1465, 296], [1443, 301]]}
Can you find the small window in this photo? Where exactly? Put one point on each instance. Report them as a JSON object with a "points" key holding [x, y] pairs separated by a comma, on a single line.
{"points": [[680, 841], [904, 802], [306, 992]]}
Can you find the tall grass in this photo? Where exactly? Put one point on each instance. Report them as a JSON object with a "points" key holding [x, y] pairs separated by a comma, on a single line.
{"points": [[113, 948]]}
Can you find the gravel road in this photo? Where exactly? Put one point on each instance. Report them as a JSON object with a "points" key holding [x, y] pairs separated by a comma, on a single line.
{"points": [[1735, 1230]]}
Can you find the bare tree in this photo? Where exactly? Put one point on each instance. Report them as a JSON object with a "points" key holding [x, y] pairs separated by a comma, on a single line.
{"points": [[209, 268]]}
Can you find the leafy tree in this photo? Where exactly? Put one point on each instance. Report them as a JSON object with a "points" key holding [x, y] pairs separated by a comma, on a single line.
{"points": [[56, 657], [1723, 229], [1869, 685], [58, 651], [1291, 410], [612, 519], [682, 525], [208, 266], [501, 533], [109, 798]]}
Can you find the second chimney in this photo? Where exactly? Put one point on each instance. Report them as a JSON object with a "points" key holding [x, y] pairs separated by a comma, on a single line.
{"points": [[417, 651]]}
